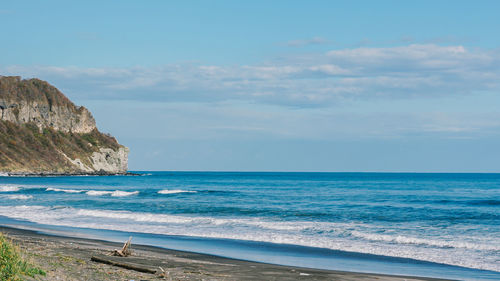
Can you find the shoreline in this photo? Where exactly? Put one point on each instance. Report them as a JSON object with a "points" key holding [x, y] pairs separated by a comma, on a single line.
{"points": [[50, 174], [69, 258]]}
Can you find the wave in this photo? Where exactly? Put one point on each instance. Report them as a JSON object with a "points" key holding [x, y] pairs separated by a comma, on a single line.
{"points": [[19, 197], [296, 226], [9, 188], [65, 190], [98, 192], [336, 236], [116, 193], [400, 239], [491, 202], [488, 202], [174, 191]]}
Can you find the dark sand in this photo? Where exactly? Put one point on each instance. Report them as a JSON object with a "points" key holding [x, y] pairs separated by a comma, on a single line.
{"points": [[65, 258]]}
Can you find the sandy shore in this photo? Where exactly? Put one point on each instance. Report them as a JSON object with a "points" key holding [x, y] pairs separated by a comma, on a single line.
{"points": [[65, 258]]}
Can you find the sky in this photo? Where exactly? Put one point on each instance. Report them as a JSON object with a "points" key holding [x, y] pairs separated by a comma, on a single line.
{"points": [[338, 86]]}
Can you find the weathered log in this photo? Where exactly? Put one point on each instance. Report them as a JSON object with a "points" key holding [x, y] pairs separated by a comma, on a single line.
{"points": [[123, 264]]}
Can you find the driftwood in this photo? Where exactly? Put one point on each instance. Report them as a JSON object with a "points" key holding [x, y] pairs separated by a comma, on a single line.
{"points": [[163, 273], [123, 264], [125, 251]]}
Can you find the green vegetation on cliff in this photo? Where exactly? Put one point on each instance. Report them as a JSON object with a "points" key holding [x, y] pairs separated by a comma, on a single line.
{"points": [[25, 148], [35, 90]]}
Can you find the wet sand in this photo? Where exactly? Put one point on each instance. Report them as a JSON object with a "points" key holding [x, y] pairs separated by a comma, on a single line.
{"points": [[66, 258]]}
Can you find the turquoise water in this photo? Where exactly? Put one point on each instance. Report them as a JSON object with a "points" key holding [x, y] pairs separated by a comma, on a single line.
{"points": [[442, 225]]}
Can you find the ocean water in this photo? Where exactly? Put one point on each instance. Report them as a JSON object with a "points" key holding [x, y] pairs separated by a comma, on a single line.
{"points": [[440, 225]]}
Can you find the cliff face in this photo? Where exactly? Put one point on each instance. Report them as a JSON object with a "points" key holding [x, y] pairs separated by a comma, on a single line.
{"points": [[42, 131], [38, 102]]}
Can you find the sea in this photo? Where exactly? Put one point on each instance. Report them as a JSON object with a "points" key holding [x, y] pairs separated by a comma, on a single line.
{"points": [[434, 225]]}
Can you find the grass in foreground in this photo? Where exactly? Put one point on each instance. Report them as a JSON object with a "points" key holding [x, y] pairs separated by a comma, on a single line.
{"points": [[12, 266]]}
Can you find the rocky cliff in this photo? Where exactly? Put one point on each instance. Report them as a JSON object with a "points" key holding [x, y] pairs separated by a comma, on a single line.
{"points": [[43, 132]]}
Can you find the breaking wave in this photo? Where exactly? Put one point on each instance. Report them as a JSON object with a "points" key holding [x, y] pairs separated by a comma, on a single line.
{"points": [[19, 197], [65, 190], [336, 236], [400, 239], [174, 191], [116, 193], [9, 188]]}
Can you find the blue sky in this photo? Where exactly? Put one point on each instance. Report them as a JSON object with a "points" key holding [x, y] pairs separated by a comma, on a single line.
{"points": [[274, 85]]}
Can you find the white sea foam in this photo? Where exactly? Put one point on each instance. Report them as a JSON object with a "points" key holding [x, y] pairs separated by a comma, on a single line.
{"points": [[19, 197], [65, 190], [337, 236], [116, 193], [400, 239], [98, 192], [142, 217], [9, 188], [173, 191]]}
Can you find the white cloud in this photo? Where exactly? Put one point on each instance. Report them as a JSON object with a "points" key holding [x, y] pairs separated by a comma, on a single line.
{"points": [[315, 80], [405, 52], [243, 121]]}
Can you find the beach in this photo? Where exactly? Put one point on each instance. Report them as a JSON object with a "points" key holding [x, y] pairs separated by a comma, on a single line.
{"points": [[429, 225], [68, 258], [250, 140]]}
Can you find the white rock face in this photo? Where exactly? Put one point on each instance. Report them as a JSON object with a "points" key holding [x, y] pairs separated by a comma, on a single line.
{"points": [[77, 162], [111, 161], [43, 115], [106, 160]]}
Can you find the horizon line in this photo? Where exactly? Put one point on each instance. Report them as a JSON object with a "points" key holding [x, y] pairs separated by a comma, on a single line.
{"points": [[332, 172]]}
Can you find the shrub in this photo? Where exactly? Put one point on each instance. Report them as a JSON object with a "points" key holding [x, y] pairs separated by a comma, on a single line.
{"points": [[12, 265]]}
